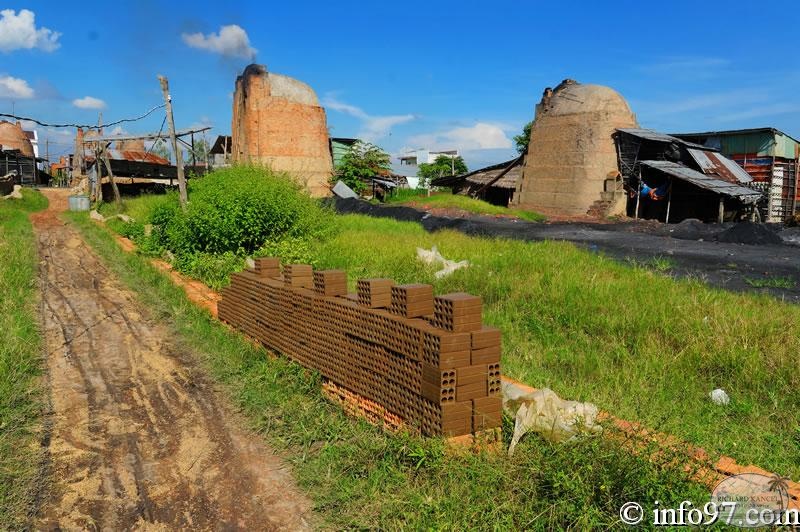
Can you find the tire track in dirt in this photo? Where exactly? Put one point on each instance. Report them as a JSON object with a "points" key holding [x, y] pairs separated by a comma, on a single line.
{"points": [[139, 438]]}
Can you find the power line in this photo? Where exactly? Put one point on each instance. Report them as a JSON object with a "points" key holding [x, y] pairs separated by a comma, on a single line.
{"points": [[84, 126], [153, 145]]}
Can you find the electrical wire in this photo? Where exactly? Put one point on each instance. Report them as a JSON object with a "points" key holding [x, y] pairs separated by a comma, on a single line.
{"points": [[84, 126], [153, 145]]}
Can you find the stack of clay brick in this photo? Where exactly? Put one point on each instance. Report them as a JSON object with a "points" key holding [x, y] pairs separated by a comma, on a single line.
{"points": [[426, 358]]}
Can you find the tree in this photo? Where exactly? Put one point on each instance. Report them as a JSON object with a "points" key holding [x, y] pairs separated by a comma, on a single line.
{"points": [[523, 139], [201, 149], [362, 162], [161, 149], [441, 166]]}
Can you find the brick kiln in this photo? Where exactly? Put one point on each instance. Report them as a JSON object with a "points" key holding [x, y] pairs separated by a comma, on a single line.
{"points": [[424, 358], [277, 121], [571, 152]]}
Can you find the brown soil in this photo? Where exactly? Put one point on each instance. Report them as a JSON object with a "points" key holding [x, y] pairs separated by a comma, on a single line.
{"points": [[139, 439]]}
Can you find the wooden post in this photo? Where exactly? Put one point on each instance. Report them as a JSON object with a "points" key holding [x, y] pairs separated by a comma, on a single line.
{"points": [[184, 199], [98, 182], [114, 188], [721, 209], [669, 202], [97, 170], [638, 194]]}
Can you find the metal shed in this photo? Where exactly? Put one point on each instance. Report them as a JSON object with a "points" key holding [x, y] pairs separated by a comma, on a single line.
{"points": [[671, 179], [769, 155]]}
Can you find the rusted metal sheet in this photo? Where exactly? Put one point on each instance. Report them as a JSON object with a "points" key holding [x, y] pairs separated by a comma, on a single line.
{"points": [[651, 134], [704, 181], [130, 155], [713, 163]]}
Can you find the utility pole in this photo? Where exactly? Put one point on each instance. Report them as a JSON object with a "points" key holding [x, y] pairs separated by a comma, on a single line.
{"points": [[114, 188], [97, 171], [184, 199], [47, 157]]}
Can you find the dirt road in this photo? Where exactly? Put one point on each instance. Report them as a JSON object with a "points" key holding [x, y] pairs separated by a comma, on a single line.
{"points": [[139, 438]]}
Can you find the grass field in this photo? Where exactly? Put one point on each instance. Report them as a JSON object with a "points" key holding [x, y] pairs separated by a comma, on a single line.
{"points": [[360, 477], [641, 345], [446, 200], [637, 343], [20, 358]]}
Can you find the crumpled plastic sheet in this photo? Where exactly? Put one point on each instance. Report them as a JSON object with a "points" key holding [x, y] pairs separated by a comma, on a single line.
{"points": [[95, 215], [16, 193], [545, 413], [432, 257]]}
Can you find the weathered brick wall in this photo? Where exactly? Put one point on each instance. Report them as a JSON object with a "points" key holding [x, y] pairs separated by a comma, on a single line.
{"points": [[277, 121], [427, 359], [572, 151], [13, 138]]}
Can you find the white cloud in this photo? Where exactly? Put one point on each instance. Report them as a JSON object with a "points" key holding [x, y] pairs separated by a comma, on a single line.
{"points": [[694, 103], [19, 32], [776, 109], [687, 64], [89, 102], [481, 136], [13, 88], [231, 41], [373, 127]]}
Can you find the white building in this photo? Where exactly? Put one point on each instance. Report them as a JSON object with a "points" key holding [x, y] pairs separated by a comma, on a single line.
{"points": [[409, 163], [417, 157]]}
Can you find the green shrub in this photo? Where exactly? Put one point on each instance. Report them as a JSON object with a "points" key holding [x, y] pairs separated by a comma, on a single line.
{"points": [[237, 210], [290, 250], [213, 270], [232, 213]]}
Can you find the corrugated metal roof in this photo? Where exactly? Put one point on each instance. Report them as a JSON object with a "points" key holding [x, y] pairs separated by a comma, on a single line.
{"points": [[716, 163], [770, 130], [704, 181], [129, 155], [651, 134]]}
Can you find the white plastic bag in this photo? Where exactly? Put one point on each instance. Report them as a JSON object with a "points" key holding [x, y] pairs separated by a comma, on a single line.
{"points": [[432, 256], [544, 412], [719, 397]]}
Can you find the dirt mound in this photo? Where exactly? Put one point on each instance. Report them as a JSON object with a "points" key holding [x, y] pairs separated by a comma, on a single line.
{"points": [[692, 229], [791, 236], [750, 233]]}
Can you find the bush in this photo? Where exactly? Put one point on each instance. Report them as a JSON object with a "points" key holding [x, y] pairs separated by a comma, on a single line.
{"points": [[213, 270], [238, 210], [232, 213]]}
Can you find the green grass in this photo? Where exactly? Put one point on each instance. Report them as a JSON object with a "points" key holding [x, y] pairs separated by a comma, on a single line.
{"points": [[771, 282], [360, 477], [640, 345], [637, 343], [446, 200], [20, 358], [657, 264]]}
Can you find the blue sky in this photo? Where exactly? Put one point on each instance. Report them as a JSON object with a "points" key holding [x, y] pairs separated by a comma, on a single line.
{"points": [[406, 74]]}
